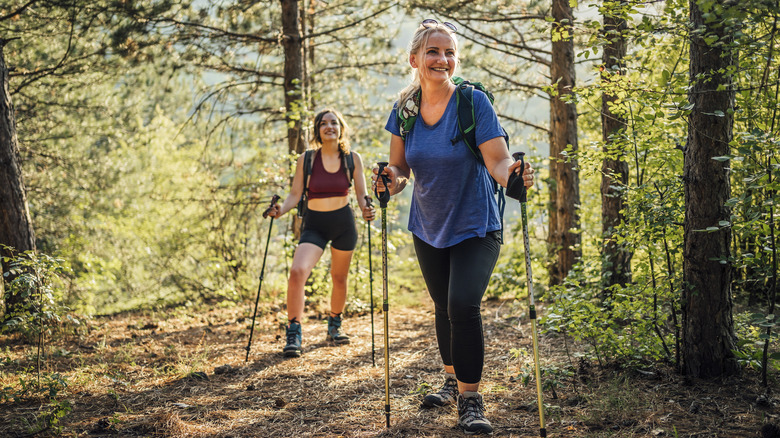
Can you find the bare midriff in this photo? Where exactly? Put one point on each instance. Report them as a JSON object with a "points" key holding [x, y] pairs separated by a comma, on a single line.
{"points": [[328, 204]]}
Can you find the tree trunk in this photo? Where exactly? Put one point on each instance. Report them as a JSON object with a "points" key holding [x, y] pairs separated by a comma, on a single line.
{"points": [[563, 240], [708, 326], [308, 14], [294, 103], [16, 230], [616, 268]]}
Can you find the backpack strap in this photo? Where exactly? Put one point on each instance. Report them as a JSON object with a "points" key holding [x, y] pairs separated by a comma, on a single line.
{"points": [[407, 115], [348, 162], [467, 123], [467, 130], [308, 160]]}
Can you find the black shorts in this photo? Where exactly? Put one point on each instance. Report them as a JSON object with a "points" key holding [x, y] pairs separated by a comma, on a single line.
{"points": [[337, 227]]}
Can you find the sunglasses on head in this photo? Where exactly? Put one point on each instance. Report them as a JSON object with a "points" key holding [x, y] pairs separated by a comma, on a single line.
{"points": [[430, 22]]}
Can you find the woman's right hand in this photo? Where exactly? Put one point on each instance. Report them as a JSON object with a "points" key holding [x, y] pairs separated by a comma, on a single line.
{"points": [[389, 172], [273, 211]]}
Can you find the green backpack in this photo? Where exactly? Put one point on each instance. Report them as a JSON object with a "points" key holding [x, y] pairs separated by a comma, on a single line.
{"points": [[348, 163], [467, 124]]}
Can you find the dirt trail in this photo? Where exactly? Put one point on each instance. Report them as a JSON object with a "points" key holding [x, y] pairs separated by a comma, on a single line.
{"points": [[185, 376]]}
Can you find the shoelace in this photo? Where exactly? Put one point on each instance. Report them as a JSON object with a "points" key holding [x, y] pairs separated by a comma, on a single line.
{"points": [[474, 407], [450, 387], [292, 337]]}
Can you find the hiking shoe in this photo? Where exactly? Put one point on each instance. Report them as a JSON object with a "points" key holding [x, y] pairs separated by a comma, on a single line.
{"points": [[444, 396], [472, 414], [334, 330], [293, 347]]}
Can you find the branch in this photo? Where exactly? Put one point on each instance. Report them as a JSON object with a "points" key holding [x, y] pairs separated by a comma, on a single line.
{"points": [[18, 11], [512, 81], [529, 124], [211, 29], [336, 29]]}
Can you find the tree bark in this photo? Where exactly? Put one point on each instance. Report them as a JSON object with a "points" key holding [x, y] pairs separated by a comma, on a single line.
{"points": [[563, 240], [616, 259], [294, 103], [16, 229], [708, 326]]}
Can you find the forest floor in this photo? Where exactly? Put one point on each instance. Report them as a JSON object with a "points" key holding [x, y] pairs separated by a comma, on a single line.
{"points": [[183, 374]]}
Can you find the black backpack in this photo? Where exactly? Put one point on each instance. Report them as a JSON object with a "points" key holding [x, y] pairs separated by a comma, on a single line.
{"points": [[348, 163], [467, 124]]}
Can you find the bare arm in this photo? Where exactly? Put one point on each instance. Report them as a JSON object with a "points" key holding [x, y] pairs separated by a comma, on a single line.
{"points": [[397, 170], [500, 164], [360, 188], [295, 192]]}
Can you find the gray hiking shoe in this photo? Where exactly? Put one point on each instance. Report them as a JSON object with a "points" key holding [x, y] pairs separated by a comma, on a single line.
{"points": [[471, 411], [334, 330], [293, 347], [444, 396]]}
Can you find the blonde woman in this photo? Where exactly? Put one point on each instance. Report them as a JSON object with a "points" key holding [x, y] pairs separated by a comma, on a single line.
{"points": [[328, 219], [454, 216]]}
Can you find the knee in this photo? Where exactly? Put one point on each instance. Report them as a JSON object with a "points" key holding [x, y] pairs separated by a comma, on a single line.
{"points": [[298, 274], [462, 311], [339, 279]]}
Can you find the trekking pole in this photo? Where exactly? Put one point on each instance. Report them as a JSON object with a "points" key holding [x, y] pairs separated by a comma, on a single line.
{"points": [[383, 198], [370, 284], [532, 305], [262, 271]]}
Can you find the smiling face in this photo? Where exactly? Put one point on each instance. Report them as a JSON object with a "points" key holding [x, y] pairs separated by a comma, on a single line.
{"points": [[437, 58], [329, 128]]}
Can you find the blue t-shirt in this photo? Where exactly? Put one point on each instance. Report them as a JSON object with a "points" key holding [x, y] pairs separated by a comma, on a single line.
{"points": [[453, 197]]}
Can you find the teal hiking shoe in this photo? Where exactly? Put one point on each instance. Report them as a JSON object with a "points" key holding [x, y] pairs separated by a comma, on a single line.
{"points": [[293, 347], [445, 396], [334, 330]]}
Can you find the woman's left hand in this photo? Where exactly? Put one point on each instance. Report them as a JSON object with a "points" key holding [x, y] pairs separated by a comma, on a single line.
{"points": [[528, 175], [369, 212]]}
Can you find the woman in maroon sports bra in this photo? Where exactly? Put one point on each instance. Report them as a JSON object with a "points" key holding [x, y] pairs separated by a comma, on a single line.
{"points": [[328, 218]]}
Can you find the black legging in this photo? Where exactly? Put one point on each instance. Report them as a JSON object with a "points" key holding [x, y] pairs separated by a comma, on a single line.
{"points": [[457, 278]]}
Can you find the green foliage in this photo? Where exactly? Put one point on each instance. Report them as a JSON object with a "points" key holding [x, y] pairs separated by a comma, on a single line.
{"points": [[423, 388], [45, 388], [39, 282], [32, 386], [631, 327], [755, 332], [553, 377]]}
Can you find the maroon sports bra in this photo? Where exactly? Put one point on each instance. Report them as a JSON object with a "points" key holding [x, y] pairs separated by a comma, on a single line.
{"points": [[323, 184]]}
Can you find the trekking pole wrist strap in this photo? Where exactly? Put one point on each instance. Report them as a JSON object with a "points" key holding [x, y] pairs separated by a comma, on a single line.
{"points": [[515, 185], [384, 196]]}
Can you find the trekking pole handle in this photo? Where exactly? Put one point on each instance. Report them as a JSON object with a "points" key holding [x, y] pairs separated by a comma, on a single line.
{"points": [[368, 202], [520, 156], [274, 200], [384, 197]]}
